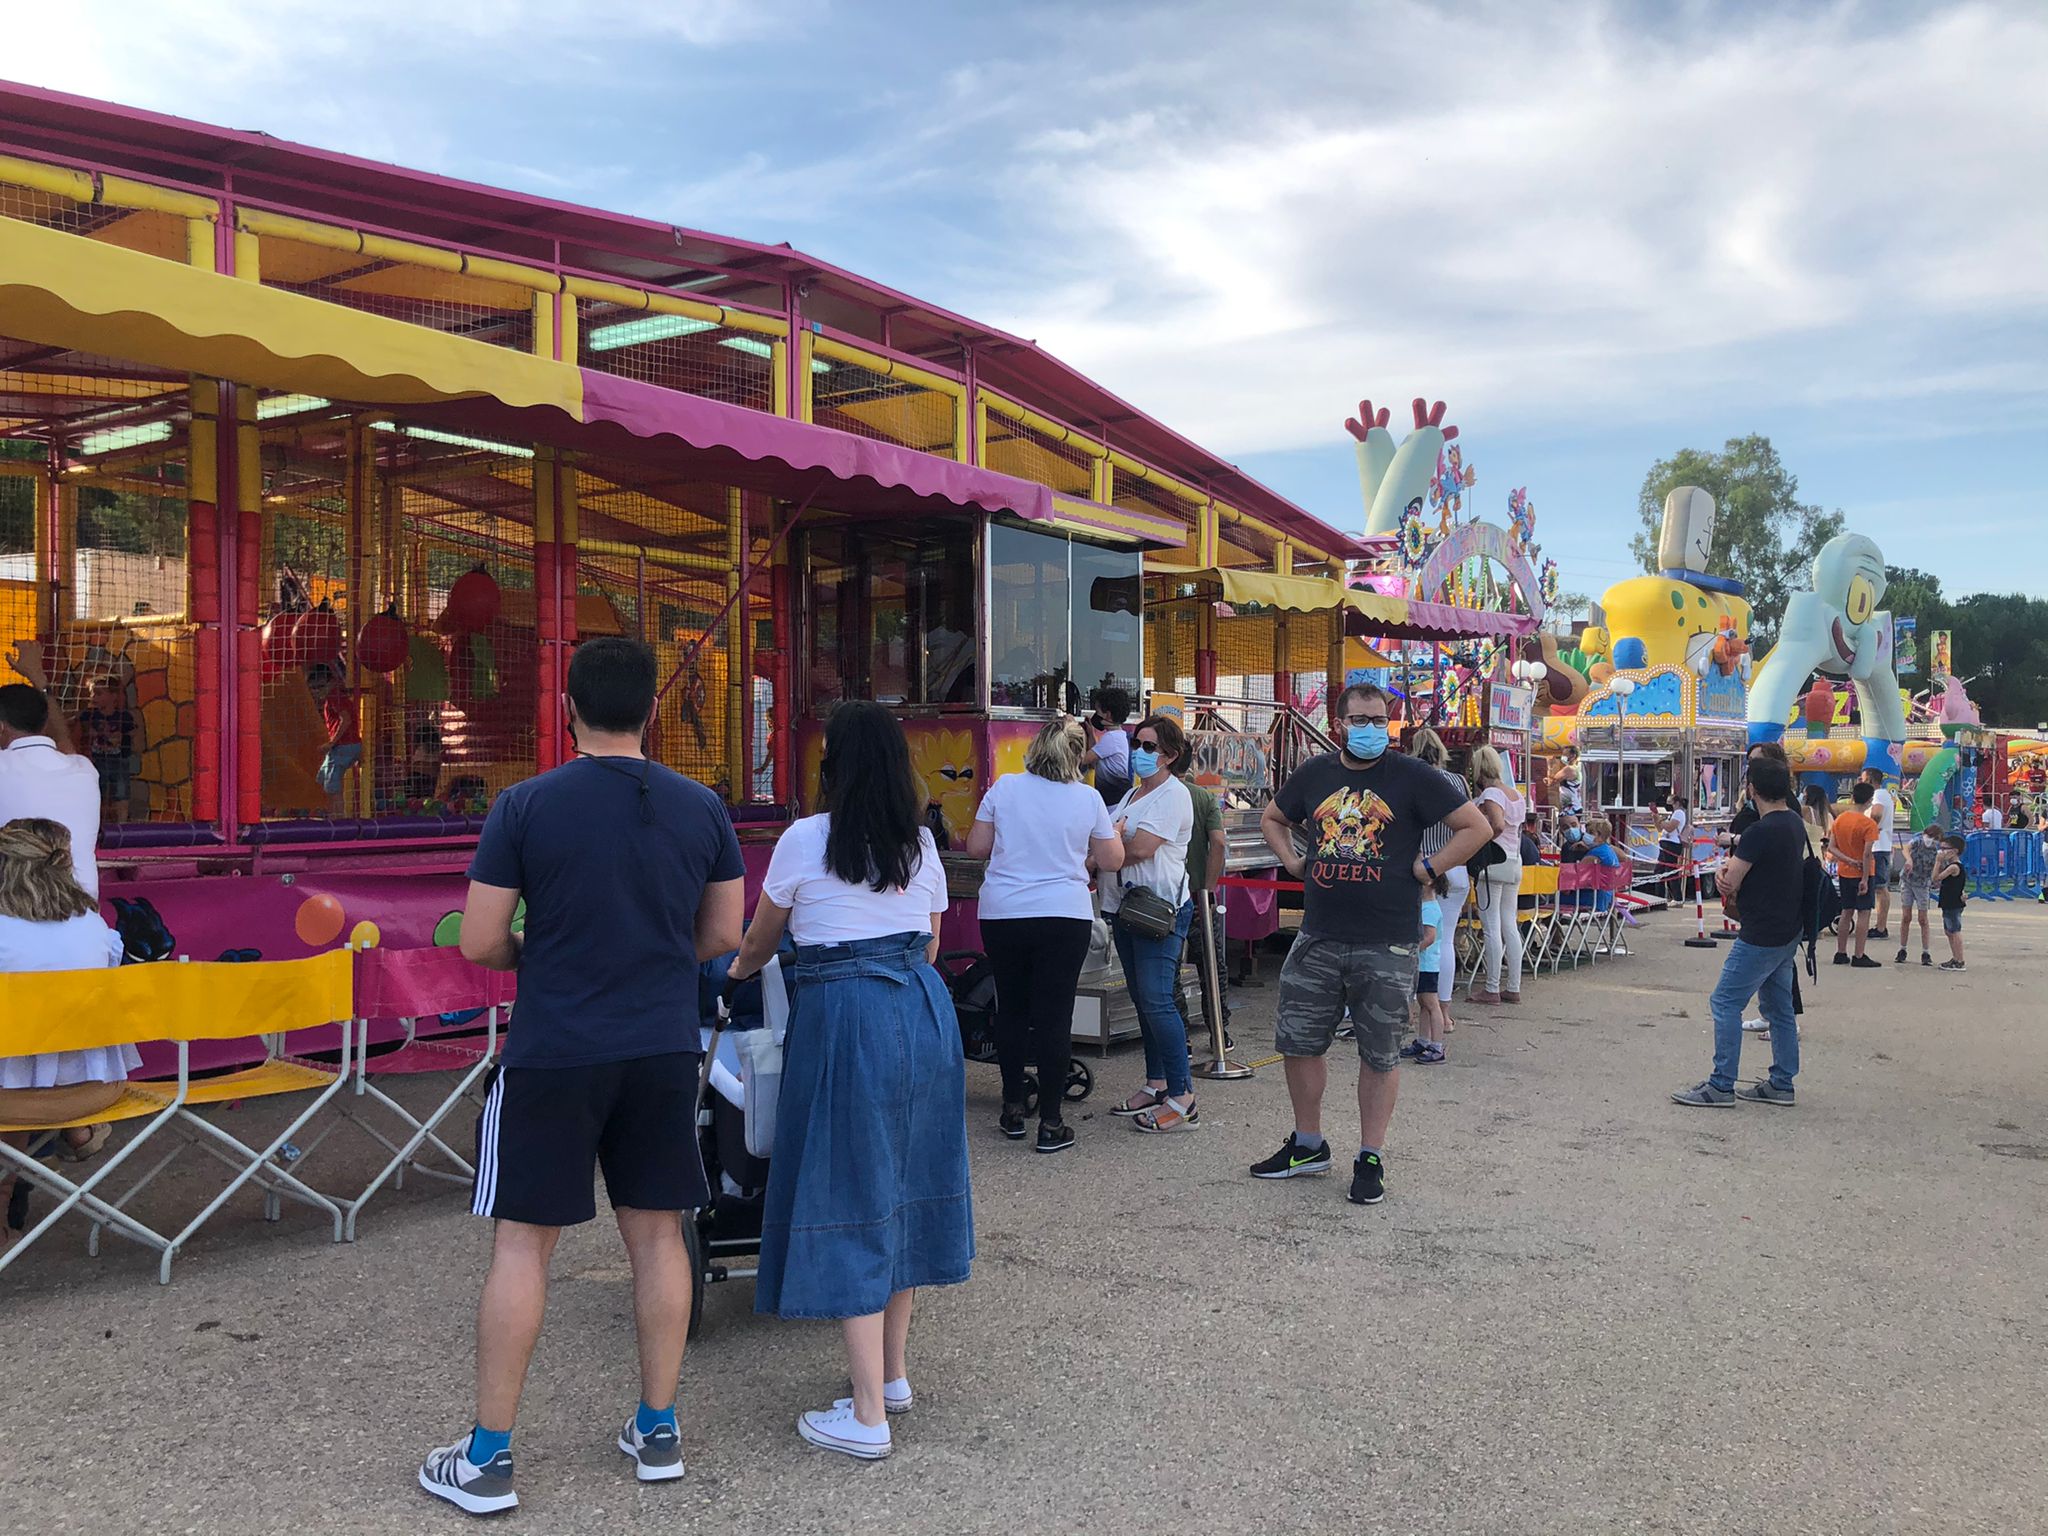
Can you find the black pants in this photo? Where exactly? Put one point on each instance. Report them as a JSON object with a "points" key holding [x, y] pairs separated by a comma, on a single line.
{"points": [[1037, 961], [1671, 860]]}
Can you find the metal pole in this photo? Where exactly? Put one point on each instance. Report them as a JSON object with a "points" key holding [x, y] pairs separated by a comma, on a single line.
{"points": [[1219, 1067]]}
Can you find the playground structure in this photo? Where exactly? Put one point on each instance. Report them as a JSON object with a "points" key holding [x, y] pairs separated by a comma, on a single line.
{"points": [[312, 473]]}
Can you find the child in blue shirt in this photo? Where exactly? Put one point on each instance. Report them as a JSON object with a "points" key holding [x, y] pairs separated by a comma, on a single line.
{"points": [[1427, 1048]]}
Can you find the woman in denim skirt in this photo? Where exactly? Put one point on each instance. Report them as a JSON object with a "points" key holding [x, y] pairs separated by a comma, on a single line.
{"points": [[867, 1188]]}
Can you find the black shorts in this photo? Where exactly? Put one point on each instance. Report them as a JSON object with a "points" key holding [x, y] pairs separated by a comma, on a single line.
{"points": [[544, 1129], [1859, 894]]}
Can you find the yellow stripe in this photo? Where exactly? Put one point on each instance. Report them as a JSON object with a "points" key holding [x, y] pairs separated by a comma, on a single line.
{"points": [[82, 1010]]}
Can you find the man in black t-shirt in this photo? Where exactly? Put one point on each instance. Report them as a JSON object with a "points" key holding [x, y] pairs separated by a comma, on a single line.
{"points": [[1763, 884], [630, 874], [1363, 809]]}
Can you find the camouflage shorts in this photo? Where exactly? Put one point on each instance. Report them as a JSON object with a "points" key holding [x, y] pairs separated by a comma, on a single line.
{"points": [[1322, 977]]}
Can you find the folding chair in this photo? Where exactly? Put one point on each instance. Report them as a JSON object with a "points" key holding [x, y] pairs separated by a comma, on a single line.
{"points": [[1540, 921], [1611, 925], [1576, 921], [412, 985], [182, 1002]]}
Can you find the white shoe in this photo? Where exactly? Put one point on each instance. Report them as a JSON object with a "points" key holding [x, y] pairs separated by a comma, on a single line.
{"points": [[896, 1397], [657, 1458], [448, 1473], [836, 1429], [1754, 1026]]}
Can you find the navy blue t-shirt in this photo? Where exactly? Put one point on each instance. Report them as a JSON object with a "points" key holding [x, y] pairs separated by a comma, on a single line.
{"points": [[609, 967]]}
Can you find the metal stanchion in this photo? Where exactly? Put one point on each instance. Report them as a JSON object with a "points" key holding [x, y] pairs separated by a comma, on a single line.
{"points": [[1219, 1067]]}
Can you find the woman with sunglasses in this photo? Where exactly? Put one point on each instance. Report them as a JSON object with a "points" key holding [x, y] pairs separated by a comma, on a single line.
{"points": [[1155, 821]]}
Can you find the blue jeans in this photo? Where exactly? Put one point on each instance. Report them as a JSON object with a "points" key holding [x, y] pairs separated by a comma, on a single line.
{"points": [[1766, 974], [1151, 970]]}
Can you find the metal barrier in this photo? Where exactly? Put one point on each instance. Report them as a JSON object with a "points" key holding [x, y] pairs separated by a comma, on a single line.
{"points": [[2005, 865]]}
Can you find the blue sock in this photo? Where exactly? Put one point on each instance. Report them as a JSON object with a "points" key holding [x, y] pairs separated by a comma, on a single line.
{"points": [[486, 1443], [647, 1419], [1368, 1151]]}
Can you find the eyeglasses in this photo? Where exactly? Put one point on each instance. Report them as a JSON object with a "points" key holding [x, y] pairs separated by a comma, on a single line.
{"points": [[1363, 720], [1149, 746]]}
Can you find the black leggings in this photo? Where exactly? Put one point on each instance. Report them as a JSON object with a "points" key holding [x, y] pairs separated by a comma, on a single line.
{"points": [[1037, 961]]}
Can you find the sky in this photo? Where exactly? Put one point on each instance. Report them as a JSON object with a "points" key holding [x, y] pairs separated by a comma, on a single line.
{"points": [[1601, 232]]}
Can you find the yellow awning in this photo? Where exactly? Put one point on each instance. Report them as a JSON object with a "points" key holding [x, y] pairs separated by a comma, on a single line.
{"points": [[1358, 657], [84, 296], [1300, 594]]}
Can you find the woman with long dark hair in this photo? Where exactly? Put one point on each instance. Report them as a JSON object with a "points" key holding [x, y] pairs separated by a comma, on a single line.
{"points": [[867, 1188]]}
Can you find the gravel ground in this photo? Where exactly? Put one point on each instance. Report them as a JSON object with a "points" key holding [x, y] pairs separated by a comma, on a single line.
{"points": [[1582, 1308]]}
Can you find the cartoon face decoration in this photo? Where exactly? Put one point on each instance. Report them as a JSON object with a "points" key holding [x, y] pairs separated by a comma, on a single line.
{"points": [[943, 760], [1687, 539], [1848, 576]]}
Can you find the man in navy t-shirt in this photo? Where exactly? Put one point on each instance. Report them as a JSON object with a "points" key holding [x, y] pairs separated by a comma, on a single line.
{"points": [[629, 873]]}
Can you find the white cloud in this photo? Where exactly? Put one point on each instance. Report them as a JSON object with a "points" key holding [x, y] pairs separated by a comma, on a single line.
{"points": [[1541, 213]]}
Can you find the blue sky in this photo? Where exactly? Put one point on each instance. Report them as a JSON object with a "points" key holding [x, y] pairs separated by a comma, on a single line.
{"points": [[1601, 232]]}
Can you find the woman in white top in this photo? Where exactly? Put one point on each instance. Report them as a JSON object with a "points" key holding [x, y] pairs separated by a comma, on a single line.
{"points": [[1671, 846], [867, 1187], [1155, 821], [49, 923], [1040, 830], [1504, 808], [1428, 747]]}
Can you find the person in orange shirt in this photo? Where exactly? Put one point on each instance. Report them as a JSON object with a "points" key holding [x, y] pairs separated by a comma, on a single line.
{"points": [[1854, 840]]}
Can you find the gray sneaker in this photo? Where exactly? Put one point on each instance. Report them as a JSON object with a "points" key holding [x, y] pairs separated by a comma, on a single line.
{"points": [[1705, 1095], [1764, 1093], [657, 1455], [448, 1473]]}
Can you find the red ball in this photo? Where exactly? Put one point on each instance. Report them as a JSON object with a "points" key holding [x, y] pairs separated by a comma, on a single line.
{"points": [[472, 602], [277, 646], [316, 641], [381, 646]]}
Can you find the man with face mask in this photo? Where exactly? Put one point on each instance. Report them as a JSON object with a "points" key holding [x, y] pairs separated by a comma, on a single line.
{"points": [[1364, 809]]}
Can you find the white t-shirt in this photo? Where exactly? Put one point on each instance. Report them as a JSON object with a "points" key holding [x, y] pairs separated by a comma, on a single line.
{"points": [[38, 780], [1994, 818], [1881, 813], [1675, 833], [1513, 809], [1039, 866], [1168, 812], [824, 909], [1113, 753]]}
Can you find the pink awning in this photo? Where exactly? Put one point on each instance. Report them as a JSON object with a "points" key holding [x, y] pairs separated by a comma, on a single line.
{"points": [[1373, 616], [731, 445]]}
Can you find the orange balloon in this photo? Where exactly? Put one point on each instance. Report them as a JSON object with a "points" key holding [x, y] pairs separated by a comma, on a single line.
{"points": [[319, 920]]}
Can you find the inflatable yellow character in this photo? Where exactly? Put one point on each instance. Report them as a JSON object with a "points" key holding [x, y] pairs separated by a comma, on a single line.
{"points": [[1676, 617]]}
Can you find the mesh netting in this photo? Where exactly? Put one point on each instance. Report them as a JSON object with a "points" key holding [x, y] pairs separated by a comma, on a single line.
{"points": [[456, 303], [1142, 496], [891, 410], [1018, 450], [153, 234], [678, 352], [92, 492]]}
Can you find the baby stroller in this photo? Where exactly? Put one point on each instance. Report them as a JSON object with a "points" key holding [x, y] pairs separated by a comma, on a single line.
{"points": [[736, 1095], [972, 981]]}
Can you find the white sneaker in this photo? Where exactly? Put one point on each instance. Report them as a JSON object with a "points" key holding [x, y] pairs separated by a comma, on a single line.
{"points": [[896, 1397], [1754, 1026], [836, 1429], [448, 1473]]}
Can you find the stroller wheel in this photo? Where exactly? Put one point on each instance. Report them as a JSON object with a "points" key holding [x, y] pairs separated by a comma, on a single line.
{"points": [[1080, 1081], [693, 1243]]}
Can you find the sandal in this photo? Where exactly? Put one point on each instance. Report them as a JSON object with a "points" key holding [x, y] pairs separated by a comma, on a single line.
{"points": [[1139, 1103], [95, 1139], [1171, 1115]]}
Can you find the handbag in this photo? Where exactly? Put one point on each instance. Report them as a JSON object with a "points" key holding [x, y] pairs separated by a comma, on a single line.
{"points": [[1144, 911], [1490, 853]]}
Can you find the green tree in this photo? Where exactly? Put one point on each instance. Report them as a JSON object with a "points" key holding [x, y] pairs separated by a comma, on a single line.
{"points": [[1764, 536], [2000, 648]]}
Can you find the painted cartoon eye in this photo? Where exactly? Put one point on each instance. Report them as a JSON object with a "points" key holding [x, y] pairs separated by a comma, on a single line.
{"points": [[1862, 598]]}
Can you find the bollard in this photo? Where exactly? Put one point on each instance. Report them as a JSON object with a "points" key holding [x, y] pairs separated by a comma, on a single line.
{"points": [[1703, 940]]}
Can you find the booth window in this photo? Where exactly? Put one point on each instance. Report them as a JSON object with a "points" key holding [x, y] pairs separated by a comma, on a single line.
{"points": [[1065, 619], [892, 616]]}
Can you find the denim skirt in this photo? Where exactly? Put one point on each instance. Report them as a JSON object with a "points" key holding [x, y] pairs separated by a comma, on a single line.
{"points": [[867, 1188]]}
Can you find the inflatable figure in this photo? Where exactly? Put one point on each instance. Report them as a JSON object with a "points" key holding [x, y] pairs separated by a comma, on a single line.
{"points": [[1563, 683], [1396, 478], [1837, 629], [1680, 616]]}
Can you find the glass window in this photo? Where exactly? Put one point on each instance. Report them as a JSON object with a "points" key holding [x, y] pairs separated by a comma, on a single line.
{"points": [[1108, 618], [891, 617], [1028, 618]]}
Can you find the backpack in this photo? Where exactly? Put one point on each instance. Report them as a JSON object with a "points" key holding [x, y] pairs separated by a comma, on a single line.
{"points": [[1819, 905]]}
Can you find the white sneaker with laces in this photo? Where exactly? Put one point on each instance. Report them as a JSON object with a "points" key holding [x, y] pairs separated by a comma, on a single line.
{"points": [[896, 1397], [449, 1474], [836, 1429]]}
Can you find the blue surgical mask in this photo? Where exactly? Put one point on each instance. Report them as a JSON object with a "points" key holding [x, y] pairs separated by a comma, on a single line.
{"points": [[1365, 741], [1144, 764]]}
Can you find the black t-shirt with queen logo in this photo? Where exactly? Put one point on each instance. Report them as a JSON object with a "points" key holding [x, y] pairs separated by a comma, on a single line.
{"points": [[1364, 828]]}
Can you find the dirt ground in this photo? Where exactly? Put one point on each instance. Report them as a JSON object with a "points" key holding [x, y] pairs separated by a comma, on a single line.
{"points": [[1582, 1308]]}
